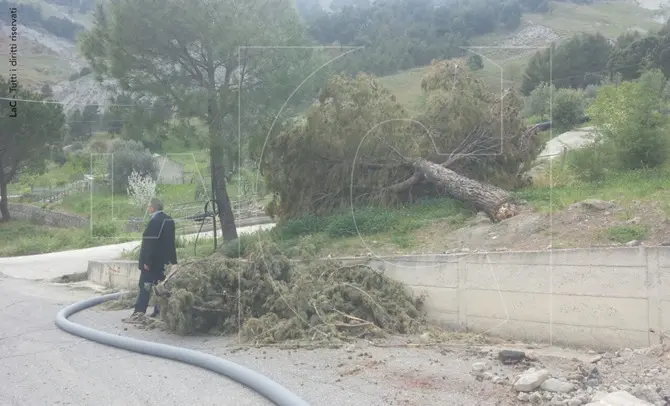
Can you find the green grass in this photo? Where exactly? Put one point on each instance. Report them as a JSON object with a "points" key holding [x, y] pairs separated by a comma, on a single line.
{"points": [[624, 234], [105, 206], [36, 69], [185, 250], [625, 187], [609, 18], [406, 85], [399, 230], [25, 238]]}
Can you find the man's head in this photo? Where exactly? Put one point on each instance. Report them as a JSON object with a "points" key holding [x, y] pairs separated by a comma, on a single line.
{"points": [[155, 205]]}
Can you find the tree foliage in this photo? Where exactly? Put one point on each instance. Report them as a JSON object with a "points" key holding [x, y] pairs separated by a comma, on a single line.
{"points": [[475, 62], [402, 34], [28, 131], [357, 145], [576, 63], [630, 121], [128, 158], [635, 55], [567, 109], [198, 58]]}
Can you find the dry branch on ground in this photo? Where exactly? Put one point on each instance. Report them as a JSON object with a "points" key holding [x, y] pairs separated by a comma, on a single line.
{"points": [[270, 299]]}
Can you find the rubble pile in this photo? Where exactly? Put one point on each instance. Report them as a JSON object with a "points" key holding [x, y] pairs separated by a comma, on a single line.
{"points": [[629, 377]]}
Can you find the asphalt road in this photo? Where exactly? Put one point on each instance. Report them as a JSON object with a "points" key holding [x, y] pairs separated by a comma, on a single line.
{"points": [[42, 365], [52, 265]]}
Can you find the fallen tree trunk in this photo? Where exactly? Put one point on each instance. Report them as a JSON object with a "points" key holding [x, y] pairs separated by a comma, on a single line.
{"points": [[492, 200]]}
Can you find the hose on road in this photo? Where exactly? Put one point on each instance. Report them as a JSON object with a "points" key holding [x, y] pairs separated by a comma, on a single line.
{"points": [[253, 380]]}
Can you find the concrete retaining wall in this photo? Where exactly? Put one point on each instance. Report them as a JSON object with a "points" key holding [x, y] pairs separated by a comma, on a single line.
{"points": [[46, 217], [116, 274], [600, 298]]}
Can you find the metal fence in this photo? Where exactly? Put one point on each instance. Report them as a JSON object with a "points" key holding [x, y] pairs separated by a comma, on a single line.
{"points": [[52, 194]]}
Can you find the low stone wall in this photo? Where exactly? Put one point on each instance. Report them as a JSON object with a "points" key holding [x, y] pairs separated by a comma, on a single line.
{"points": [[598, 298], [46, 217]]}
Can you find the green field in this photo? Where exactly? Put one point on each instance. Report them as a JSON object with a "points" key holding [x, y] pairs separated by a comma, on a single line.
{"points": [[610, 18]]}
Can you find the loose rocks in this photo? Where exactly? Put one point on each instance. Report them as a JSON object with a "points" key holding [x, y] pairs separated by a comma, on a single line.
{"points": [[555, 385], [531, 380], [619, 398]]}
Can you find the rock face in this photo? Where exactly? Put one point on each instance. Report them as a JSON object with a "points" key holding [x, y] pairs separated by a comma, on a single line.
{"points": [[531, 380], [619, 398]]}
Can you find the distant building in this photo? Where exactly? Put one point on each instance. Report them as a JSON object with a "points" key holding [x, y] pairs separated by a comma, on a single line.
{"points": [[169, 172]]}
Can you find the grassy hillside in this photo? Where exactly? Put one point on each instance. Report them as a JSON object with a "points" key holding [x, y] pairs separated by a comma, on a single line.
{"points": [[508, 53]]}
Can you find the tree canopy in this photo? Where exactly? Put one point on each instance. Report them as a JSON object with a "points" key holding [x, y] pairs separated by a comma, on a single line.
{"points": [[28, 131], [202, 59], [402, 34], [569, 63]]}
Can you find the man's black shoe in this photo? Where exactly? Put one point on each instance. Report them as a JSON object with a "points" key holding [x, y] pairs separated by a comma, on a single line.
{"points": [[156, 312], [136, 317]]}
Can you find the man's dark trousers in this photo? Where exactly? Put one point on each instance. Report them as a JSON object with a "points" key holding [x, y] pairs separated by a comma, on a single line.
{"points": [[147, 280], [158, 249]]}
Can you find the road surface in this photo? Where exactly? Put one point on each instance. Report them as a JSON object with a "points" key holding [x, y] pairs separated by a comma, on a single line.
{"points": [[52, 265], [42, 365]]}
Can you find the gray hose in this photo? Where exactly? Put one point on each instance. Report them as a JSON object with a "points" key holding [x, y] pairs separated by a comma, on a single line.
{"points": [[253, 380]]}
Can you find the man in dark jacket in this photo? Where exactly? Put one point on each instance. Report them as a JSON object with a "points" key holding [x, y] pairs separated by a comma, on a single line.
{"points": [[158, 250]]}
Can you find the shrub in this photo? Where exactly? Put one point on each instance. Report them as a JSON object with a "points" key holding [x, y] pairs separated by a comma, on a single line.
{"points": [[238, 248], [141, 188], [567, 109], [631, 124], [475, 62], [128, 157], [589, 164], [201, 193], [104, 229], [537, 103]]}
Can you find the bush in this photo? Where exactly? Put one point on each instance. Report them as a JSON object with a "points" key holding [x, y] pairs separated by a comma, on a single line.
{"points": [[589, 164], [128, 157], [141, 188], [475, 62], [567, 109], [201, 193], [538, 102], [566, 106], [238, 248], [632, 126], [104, 229]]}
